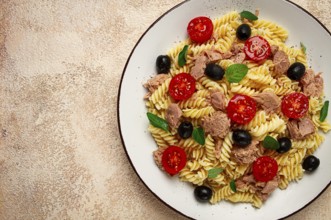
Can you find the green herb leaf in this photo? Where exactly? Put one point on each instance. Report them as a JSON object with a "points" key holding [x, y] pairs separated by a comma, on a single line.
{"points": [[199, 135], [303, 47], [324, 111], [158, 122], [270, 143], [248, 15], [233, 186], [182, 56], [212, 173], [236, 72]]}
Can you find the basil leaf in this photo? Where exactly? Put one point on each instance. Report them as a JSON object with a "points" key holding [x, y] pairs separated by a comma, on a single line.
{"points": [[233, 186], [270, 143], [324, 111], [199, 135], [248, 15], [303, 47], [158, 122], [212, 173], [236, 72], [182, 56]]}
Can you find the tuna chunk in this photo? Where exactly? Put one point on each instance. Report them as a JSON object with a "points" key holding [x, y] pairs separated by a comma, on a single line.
{"points": [[173, 115], [281, 62], [239, 57], [153, 83], [274, 49], [240, 184], [198, 70], [299, 129], [227, 55], [249, 179], [247, 154], [218, 100], [308, 77], [237, 54], [312, 84], [237, 48], [157, 155], [217, 125], [262, 189], [213, 55], [270, 186], [268, 100]]}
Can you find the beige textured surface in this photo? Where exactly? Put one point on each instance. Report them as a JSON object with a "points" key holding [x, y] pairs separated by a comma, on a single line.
{"points": [[60, 152]]}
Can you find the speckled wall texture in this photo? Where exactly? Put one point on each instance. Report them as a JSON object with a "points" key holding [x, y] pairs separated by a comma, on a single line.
{"points": [[61, 155]]}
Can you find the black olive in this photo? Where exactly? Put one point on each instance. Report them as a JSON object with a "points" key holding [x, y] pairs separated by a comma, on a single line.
{"points": [[163, 64], [296, 71], [241, 138], [310, 163], [214, 71], [284, 145], [185, 129], [243, 32], [203, 193]]}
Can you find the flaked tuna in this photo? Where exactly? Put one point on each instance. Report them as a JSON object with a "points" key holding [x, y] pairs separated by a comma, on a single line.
{"points": [[281, 62], [299, 129], [173, 114], [217, 125], [312, 83], [268, 100]]}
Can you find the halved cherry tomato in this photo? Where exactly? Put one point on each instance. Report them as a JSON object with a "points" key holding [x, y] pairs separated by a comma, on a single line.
{"points": [[200, 29], [241, 109], [257, 48], [182, 86], [173, 160], [265, 168], [295, 105]]}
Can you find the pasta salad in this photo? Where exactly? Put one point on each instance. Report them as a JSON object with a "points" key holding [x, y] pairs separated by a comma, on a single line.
{"points": [[234, 110]]}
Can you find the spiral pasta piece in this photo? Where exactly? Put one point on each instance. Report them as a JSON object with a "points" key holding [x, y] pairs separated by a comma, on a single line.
{"points": [[198, 113]]}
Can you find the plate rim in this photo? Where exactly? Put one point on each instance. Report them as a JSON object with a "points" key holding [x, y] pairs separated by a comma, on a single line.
{"points": [[119, 98]]}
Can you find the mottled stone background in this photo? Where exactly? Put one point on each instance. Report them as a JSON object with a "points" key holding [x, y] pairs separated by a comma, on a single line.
{"points": [[61, 156]]}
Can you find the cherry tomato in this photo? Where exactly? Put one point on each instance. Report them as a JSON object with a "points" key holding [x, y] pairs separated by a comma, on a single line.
{"points": [[257, 48], [173, 160], [265, 168], [182, 86], [295, 105], [241, 109], [200, 29]]}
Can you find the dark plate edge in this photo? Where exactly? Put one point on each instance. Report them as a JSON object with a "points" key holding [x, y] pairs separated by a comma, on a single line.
{"points": [[118, 109]]}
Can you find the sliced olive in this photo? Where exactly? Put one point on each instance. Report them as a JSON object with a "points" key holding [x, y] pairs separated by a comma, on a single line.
{"points": [[296, 71], [241, 138], [163, 64], [243, 32], [185, 129], [214, 71], [284, 145], [203, 193], [310, 163]]}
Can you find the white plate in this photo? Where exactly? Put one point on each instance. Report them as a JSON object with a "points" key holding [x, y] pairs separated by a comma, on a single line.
{"points": [[133, 123]]}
